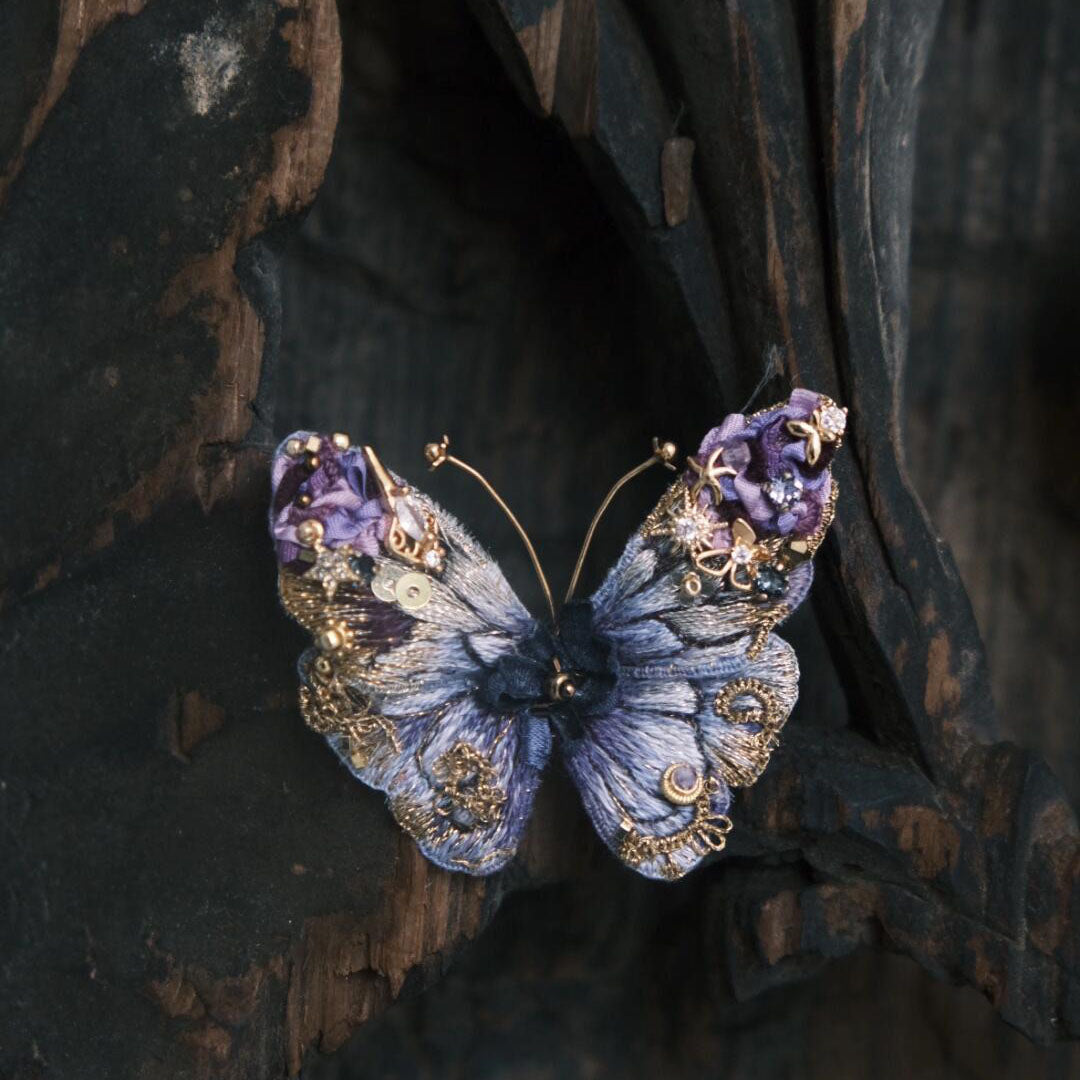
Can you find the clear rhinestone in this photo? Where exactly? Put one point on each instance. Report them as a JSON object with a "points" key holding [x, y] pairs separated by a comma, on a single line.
{"points": [[432, 559], [687, 528], [833, 419], [741, 555], [691, 529], [410, 516]]}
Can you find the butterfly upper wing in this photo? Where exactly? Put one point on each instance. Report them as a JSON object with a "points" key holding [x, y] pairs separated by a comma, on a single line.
{"points": [[408, 613], [701, 685]]}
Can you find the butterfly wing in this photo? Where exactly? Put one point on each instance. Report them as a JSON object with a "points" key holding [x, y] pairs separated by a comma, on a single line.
{"points": [[408, 615], [700, 685]]}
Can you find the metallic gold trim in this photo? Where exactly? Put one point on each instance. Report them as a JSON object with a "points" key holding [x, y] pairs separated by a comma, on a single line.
{"points": [[438, 454], [691, 584], [328, 709], [467, 781], [425, 827], [706, 832], [768, 715], [426, 551], [815, 432], [758, 746], [744, 554], [662, 455], [765, 627]]}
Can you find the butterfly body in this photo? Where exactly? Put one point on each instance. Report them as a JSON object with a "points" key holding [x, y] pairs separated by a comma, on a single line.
{"points": [[664, 690]]}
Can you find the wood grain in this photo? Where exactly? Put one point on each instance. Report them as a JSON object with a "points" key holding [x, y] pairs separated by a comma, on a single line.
{"points": [[196, 889]]}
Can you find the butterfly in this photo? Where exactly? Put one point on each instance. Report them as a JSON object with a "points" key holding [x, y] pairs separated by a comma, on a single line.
{"points": [[665, 690]]}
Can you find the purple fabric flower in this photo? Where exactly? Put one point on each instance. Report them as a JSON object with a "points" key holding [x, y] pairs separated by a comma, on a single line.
{"points": [[774, 488], [343, 500]]}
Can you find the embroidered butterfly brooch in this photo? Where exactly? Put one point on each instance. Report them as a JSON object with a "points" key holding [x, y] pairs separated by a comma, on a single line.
{"points": [[665, 689]]}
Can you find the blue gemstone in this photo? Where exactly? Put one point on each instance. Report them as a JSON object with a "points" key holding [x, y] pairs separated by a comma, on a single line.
{"points": [[771, 582], [362, 566], [784, 491], [684, 778]]}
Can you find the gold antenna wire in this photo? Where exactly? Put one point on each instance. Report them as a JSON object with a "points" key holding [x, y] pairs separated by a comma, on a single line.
{"points": [[438, 454], [663, 454]]}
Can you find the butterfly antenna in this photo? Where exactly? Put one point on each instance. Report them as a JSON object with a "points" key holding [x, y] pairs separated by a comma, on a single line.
{"points": [[438, 454], [771, 369], [663, 454]]}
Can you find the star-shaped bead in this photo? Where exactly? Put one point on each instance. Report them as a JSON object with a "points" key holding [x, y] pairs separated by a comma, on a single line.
{"points": [[331, 568], [708, 475]]}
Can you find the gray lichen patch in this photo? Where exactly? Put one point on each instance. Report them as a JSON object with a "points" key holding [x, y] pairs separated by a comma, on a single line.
{"points": [[210, 61]]}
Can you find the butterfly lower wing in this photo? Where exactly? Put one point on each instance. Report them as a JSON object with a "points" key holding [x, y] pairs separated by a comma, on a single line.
{"points": [[701, 684], [407, 613]]}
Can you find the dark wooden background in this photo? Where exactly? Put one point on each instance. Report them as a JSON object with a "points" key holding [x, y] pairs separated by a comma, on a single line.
{"points": [[193, 889]]}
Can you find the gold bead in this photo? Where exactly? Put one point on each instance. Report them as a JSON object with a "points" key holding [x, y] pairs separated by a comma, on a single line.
{"points": [[310, 531], [329, 640], [341, 440], [313, 443], [312, 461], [303, 500], [294, 447], [668, 451], [435, 452], [560, 687]]}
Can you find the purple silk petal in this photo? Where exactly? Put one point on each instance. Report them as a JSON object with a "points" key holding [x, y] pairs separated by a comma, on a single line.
{"points": [[761, 450], [339, 496]]}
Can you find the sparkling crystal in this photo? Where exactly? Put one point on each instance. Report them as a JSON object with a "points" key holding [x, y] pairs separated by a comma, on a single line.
{"points": [[784, 491], [410, 516], [833, 419], [687, 528], [432, 559], [691, 527], [741, 555]]}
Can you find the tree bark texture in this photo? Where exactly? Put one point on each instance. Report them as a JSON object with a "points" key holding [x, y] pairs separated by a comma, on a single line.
{"points": [[553, 230]]}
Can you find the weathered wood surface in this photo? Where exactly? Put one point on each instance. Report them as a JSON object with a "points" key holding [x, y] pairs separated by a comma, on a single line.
{"points": [[194, 887], [913, 827]]}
